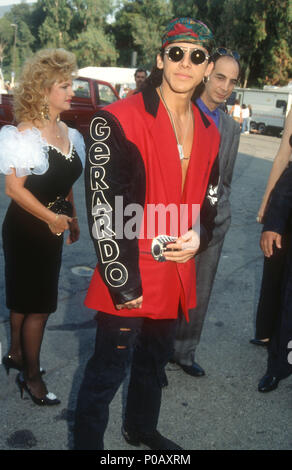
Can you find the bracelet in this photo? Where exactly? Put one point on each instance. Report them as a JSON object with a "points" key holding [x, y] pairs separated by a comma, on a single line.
{"points": [[50, 225]]}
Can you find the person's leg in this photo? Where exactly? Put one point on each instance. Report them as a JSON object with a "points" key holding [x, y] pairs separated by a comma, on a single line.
{"points": [[104, 373], [153, 350], [248, 125], [278, 349], [278, 365], [188, 334], [269, 304], [32, 336], [15, 350]]}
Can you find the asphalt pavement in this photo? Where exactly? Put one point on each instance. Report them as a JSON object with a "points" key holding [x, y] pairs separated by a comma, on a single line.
{"points": [[221, 411]]}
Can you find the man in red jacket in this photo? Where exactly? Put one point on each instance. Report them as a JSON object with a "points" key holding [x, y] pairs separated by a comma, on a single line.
{"points": [[154, 154]]}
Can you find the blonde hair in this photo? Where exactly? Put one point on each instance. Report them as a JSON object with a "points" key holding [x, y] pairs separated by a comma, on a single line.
{"points": [[40, 72]]}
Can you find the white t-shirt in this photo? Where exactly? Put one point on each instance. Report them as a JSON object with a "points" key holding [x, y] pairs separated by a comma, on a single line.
{"points": [[245, 113], [236, 110]]}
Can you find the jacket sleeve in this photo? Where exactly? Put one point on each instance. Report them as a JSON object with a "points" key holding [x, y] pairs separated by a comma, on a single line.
{"points": [[232, 154], [114, 178], [209, 208], [230, 134], [279, 207]]}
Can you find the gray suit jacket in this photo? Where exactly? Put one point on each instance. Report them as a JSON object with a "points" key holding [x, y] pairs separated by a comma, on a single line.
{"points": [[230, 134]]}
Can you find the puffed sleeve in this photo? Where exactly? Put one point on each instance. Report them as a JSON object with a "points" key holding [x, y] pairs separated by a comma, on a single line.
{"points": [[78, 143], [25, 151]]}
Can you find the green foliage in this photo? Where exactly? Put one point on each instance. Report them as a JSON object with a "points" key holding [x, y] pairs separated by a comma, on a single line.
{"points": [[54, 31], [103, 32], [258, 30], [150, 18], [93, 48], [139, 26], [17, 38], [6, 40], [91, 43]]}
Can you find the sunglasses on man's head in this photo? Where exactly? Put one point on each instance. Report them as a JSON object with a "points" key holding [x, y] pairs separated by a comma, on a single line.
{"points": [[176, 54], [229, 52]]}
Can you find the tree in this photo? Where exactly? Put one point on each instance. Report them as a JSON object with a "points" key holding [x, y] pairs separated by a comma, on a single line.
{"points": [[139, 26], [93, 48], [258, 30], [53, 32], [19, 40], [92, 43], [6, 39], [107, 32], [272, 61]]}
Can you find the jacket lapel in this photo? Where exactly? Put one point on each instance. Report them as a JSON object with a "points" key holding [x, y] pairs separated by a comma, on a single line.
{"points": [[166, 166]]}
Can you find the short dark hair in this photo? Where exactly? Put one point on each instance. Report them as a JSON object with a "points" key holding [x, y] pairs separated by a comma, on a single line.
{"points": [[216, 56], [140, 70]]}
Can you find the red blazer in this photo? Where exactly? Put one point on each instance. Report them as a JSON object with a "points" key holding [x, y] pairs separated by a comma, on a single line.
{"points": [[132, 153]]}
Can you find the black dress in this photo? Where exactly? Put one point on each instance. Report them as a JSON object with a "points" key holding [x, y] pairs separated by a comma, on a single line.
{"points": [[278, 218], [32, 252]]}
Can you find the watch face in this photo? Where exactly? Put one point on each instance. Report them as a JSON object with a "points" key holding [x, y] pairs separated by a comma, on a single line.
{"points": [[159, 246]]}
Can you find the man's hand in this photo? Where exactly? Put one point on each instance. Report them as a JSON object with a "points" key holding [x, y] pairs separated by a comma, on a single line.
{"points": [[267, 242], [136, 303], [184, 248]]}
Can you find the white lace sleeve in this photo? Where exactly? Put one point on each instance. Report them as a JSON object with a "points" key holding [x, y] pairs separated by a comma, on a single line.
{"points": [[26, 152], [78, 143]]}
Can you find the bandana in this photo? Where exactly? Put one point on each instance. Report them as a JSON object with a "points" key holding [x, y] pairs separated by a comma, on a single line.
{"points": [[188, 30]]}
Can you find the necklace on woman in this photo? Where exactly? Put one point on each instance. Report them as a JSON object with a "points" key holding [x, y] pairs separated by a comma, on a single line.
{"points": [[58, 133], [179, 146]]}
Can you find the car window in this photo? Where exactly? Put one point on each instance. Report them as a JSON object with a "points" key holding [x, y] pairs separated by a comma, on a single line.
{"points": [[81, 88], [106, 94]]}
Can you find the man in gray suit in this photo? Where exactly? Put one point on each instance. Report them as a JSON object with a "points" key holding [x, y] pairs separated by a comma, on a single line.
{"points": [[218, 88]]}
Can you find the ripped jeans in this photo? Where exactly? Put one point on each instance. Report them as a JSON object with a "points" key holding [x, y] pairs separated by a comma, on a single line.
{"points": [[142, 343]]}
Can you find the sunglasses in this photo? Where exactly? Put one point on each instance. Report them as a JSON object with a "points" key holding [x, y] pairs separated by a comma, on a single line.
{"points": [[229, 52], [176, 54]]}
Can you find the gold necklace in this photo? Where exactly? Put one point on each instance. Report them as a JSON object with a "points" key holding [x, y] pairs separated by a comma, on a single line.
{"points": [[179, 146], [57, 133]]}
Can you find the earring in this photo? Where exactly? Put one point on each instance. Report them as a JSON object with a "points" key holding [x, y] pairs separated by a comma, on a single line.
{"points": [[206, 79], [45, 110]]}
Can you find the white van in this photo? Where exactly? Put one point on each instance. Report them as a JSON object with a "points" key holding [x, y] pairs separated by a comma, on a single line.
{"points": [[269, 106]]}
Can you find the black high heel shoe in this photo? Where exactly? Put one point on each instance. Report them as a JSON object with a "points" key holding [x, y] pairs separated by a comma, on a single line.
{"points": [[9, 363], [48, 400]]}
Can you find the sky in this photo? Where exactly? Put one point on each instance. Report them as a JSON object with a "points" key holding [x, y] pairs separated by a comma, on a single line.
{"points": [[3, 3]]}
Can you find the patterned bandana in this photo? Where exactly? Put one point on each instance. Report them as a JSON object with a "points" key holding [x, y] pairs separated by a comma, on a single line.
{"points": [[188, 30]]}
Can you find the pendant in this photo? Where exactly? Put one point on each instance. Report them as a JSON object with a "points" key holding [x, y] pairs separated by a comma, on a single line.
{"points": [[180, 151]]}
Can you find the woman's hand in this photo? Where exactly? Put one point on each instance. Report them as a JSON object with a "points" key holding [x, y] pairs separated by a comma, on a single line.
{"points": [[184, 248], [60, 224], [267, 242], [74, 231]]}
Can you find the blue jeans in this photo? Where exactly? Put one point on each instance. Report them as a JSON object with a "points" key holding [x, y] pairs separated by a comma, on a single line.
{"points": [[245, 125], [121, 341]]}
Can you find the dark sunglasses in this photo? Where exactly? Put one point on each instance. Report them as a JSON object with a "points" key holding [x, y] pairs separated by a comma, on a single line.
{"points": [[176, 54], [224, 51]]}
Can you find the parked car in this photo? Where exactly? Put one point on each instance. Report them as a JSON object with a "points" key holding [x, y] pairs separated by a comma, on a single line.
{"points": [[90, 95]]}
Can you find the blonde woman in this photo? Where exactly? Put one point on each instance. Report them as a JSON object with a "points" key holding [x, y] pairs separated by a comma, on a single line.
{"points": [[41, 159]]}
